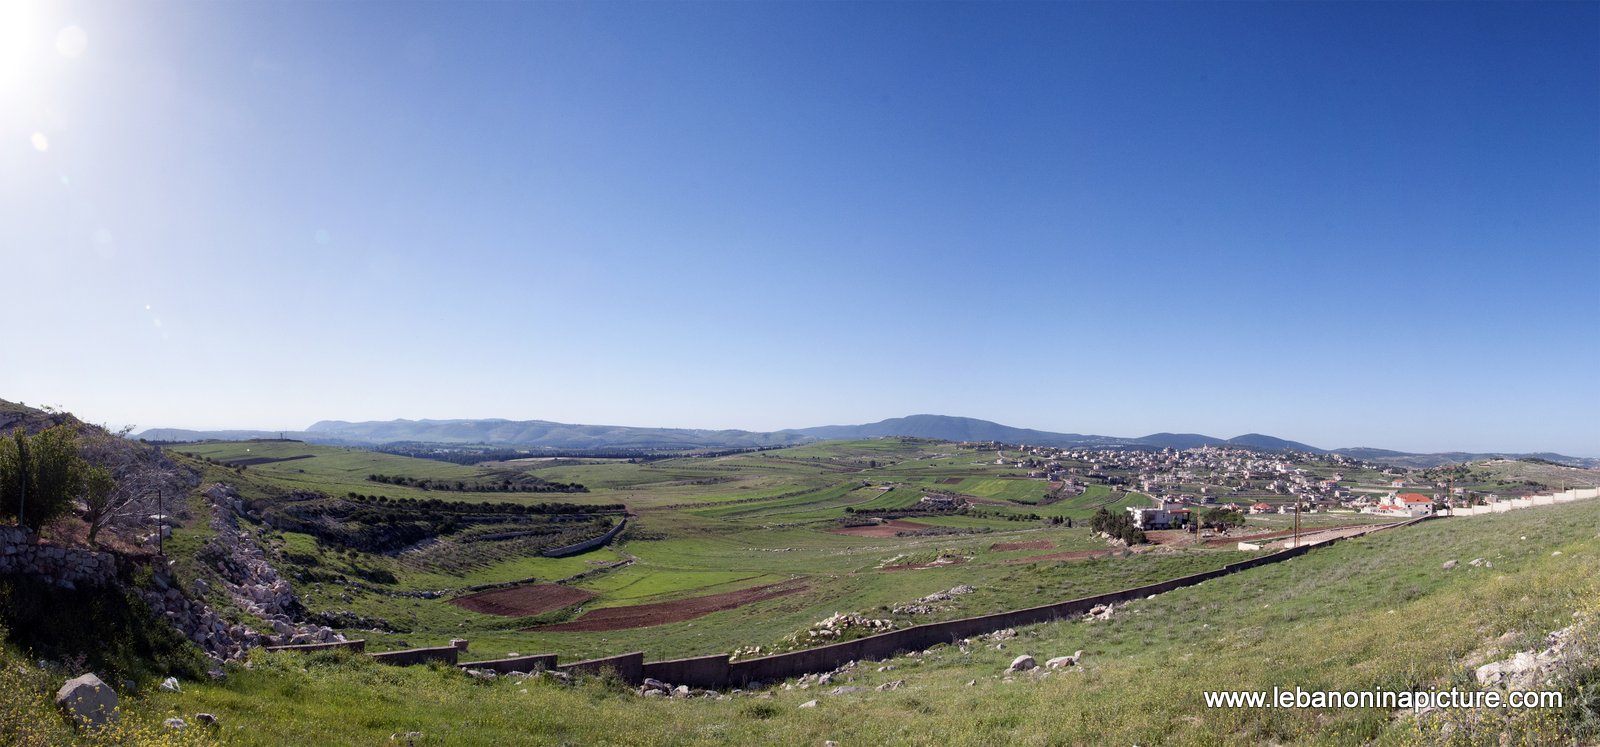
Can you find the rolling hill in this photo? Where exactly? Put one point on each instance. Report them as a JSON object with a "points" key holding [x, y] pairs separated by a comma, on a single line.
{"points": [[544, 434]]}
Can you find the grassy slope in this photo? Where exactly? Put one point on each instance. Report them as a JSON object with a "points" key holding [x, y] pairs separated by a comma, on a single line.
{"points": [[1372, 613]]}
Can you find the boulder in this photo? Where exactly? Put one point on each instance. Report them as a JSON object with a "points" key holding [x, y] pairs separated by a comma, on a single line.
{"points": [[809, 704], [170, 685], [1064, 661], [1448, 564], [651, 683], [88, 700], [1021, 664], [175, 723]]}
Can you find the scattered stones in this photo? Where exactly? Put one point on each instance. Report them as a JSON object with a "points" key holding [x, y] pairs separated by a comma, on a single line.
{"points": [[895, 685], [1475, 562], [651, 683], [929, 604], [1099, 612], [88, 700], [1021, 664], [847, 690], [838, 624]]}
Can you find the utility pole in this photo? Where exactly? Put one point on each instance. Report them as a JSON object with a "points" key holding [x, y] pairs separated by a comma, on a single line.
{"points": [[1296, 522], [24, 470], [161, 523]]}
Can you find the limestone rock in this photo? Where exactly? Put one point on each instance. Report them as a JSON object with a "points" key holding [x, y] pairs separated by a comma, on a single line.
{"points": [[1021, 664], [651, 683], [1065, 661], [88, 700]]}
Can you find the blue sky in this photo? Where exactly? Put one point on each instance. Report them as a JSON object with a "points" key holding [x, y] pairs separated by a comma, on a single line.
{"points": [[1346, 224]]}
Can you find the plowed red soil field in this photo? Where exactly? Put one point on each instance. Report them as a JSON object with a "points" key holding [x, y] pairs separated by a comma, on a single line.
{"points": [[658, 613], [521, 601]]}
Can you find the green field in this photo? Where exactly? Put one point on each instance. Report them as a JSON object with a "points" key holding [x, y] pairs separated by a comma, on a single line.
{"points": [[1374, 613], [702, 526]]}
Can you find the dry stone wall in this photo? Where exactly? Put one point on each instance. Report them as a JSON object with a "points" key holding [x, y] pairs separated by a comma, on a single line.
{"points": [[21, 554]]}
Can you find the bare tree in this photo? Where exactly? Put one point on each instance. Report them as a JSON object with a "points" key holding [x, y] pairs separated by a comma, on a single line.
{"points": [[123, 482]]}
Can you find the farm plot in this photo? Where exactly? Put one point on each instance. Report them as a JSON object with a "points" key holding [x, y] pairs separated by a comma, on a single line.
{"points": [[661, 613], [1004, 489], [522, 601]]}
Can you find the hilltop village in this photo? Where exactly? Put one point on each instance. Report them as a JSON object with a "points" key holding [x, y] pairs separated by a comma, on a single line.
{"points": [[1255, 482]]}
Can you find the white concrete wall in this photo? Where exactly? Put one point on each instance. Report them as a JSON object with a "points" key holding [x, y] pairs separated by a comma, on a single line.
{"points": [[1512, 504]]}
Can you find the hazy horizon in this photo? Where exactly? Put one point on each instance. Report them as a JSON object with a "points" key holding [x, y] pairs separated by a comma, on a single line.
{"points": [[1288, 436], [1342, 224]]}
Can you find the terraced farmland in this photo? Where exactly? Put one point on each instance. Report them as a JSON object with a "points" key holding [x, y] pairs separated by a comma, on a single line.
{"points": [[714, 529]]}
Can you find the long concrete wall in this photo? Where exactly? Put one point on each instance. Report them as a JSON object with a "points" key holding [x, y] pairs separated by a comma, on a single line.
{"points": [[629, 667], [1532, 501], [356, 646], [588, 544], [532, 663], [446, 654]]}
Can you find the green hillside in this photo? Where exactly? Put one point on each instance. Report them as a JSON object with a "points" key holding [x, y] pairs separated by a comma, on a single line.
{"points": [[1371, 613]]}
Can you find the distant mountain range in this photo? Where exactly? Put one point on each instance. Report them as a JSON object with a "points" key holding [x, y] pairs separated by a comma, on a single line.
{"points": [[550, 435]]}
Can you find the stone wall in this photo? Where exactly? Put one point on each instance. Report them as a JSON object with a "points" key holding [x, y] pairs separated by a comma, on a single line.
{"points": [[588, 544], [66, 567]]}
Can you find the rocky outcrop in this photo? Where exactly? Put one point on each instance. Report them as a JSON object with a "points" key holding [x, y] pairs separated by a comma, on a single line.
{"points": [[248, 579], [1533, 670]]}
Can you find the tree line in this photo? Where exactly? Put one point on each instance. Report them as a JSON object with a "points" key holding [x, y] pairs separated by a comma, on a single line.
{"points": [[526, 485], [457, 507]]}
